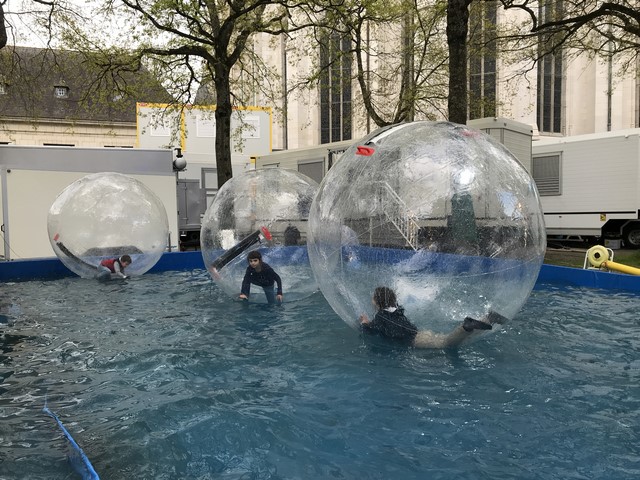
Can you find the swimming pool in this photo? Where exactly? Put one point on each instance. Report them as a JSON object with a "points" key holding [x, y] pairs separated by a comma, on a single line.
{"points": [[164, 377]]}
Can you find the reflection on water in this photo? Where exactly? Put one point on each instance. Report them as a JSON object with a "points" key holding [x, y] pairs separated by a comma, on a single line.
{"points": [[165, 377]]}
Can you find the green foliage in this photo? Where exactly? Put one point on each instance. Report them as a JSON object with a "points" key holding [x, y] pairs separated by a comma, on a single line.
{"points": [[189, 45]]}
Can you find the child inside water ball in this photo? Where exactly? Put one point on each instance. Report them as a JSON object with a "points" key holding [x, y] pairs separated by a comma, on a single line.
{"points": [[114, 266], [261, 274], [390, 322]]}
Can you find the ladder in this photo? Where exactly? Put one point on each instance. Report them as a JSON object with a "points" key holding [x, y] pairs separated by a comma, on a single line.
{"points": [[397, 212]]}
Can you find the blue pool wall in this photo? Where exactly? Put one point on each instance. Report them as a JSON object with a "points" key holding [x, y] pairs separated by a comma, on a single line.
{"points": [[53, 268]]}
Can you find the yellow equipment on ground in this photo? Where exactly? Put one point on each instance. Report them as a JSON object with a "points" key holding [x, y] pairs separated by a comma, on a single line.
{"points": [[602, 258]]}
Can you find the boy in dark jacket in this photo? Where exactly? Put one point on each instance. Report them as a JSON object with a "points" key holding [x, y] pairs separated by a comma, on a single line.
{"points": [[261, 274]]}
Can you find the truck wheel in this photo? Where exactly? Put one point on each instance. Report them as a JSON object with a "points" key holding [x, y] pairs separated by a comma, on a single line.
{"points": [[631, 237]]}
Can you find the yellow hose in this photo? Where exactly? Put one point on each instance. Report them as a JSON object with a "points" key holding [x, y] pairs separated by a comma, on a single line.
{"points": [[619, 267]]}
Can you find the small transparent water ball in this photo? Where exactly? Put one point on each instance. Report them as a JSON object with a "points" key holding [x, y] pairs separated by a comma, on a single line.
{"points": [[265, 210], [107, 215], [441, 213]]}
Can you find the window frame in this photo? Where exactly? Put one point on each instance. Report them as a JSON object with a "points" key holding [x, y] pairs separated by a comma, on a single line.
{"points": [[60, 91]]}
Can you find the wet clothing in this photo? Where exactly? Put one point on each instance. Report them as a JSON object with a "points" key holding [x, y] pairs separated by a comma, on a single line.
{"points": [[113, 264], [265, 278], [391, 323], [270, 293]]}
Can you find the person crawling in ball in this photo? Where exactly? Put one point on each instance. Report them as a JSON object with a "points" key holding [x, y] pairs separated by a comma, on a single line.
{"points": [[261, 274], [390, 322], [114, 266]]}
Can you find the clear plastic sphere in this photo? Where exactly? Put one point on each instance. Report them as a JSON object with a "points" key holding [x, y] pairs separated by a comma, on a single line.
{"points": [[443, 214], [265, 210], [104, 216]]}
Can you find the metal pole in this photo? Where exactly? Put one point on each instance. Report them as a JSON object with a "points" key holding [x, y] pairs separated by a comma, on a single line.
{"points": [[5, 213], [609, 84], [285, 101]]}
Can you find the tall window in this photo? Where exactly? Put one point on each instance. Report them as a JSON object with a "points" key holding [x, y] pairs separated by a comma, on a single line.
{"points": [[550, 73], [335, 89], [482, 59]]}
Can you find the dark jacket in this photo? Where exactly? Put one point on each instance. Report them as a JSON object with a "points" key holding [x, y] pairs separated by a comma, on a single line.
{"points": [[264, 278], [393, 325]]}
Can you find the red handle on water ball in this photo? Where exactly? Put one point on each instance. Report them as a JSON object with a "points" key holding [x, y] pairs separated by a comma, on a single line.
{"points": [[265, 231], [366, 151]]}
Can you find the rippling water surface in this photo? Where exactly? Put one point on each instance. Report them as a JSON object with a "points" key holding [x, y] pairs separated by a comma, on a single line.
{"points": [[165, 377]]}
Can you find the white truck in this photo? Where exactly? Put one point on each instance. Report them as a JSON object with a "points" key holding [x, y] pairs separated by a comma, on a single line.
{"points": [[590, 187]]}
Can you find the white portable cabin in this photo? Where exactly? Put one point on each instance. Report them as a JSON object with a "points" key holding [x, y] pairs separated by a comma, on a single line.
{"points": [[32, 177], [590, 185], [516, 136], [314, 162]]}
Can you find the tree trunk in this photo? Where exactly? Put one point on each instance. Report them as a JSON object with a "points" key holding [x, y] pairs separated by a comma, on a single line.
{"points": [[3, 28], [223, 125], [408, 89], [457, 28]]}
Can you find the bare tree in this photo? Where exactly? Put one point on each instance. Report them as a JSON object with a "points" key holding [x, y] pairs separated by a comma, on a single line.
{"points": [[617, 20], [568, 29], [594, 28], [425, 74], [398, 52], [457, 32], [216, 33], [188, 44], [36, 12]]}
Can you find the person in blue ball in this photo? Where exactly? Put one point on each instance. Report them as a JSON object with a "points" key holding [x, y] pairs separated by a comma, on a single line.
{"points": [[261, 274], [390, 322]]}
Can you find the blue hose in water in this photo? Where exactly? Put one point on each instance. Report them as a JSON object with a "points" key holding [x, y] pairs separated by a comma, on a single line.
{"points": [[79, 461]]}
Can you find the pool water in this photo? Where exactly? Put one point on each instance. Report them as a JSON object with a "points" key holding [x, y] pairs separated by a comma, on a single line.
{"points": [[165, 377]]}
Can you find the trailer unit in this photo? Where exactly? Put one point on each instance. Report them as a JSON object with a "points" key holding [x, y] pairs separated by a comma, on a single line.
{"points": [[589, 186]]}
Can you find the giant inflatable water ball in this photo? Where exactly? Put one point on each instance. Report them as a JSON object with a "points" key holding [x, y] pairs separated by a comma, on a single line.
{"points": [[106, 215], [441, 213], [265, 210]]}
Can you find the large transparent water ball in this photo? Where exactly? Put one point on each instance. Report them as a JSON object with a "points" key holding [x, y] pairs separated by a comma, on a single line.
{"points": [[441, 213], [104, 216], [265, 210]]}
